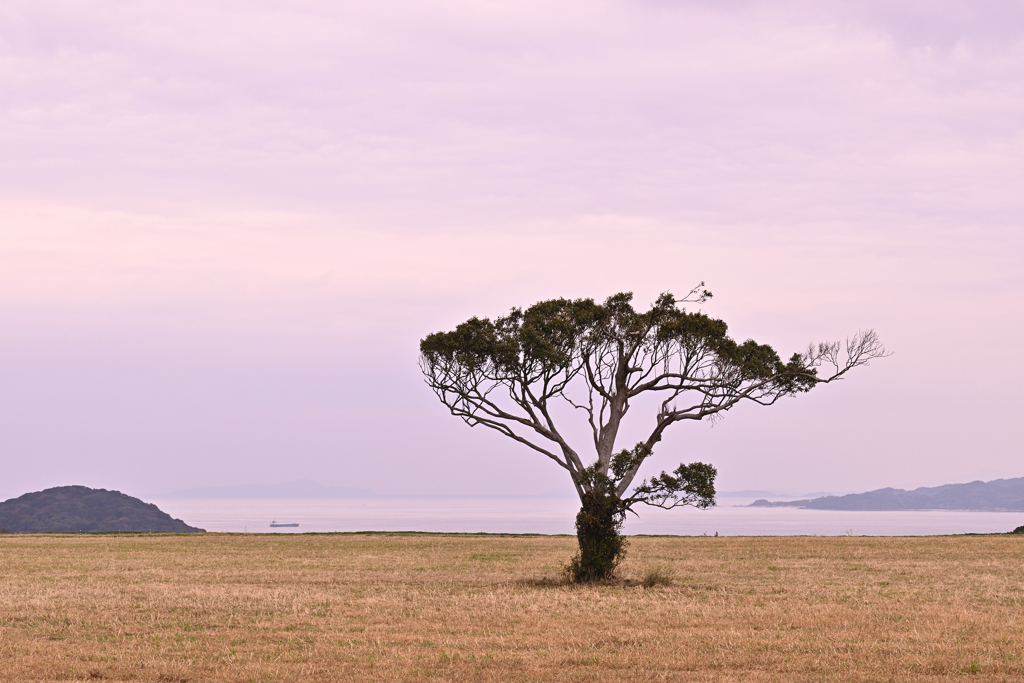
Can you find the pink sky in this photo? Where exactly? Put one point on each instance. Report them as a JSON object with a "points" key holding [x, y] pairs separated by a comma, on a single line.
{"points": [[225, 226]]}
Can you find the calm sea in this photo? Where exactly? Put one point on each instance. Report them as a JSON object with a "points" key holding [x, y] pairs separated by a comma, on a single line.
{"points": [[556, 516]]}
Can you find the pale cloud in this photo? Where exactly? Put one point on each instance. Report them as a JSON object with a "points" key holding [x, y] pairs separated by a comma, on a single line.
{"points": [[207, 176]]}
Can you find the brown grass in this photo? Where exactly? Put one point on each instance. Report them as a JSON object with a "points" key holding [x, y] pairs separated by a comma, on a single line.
{"points": [[493, 608]]}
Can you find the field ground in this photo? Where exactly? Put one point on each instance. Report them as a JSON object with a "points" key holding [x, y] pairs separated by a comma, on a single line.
{"points": [[383, 607]]}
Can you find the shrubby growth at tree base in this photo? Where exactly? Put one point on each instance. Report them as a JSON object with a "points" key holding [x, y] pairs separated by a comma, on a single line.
{"points": [[514, 374]]}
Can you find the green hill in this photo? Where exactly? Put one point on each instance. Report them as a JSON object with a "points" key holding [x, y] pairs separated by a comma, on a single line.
{"points": [[70, 509]]}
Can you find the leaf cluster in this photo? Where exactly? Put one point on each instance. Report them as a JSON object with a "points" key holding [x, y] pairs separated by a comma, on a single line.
{"points": [[544, 339], [692, 484]]}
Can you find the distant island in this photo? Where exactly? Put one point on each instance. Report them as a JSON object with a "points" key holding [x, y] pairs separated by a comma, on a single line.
{"points": [[998, 495], [71, 509]]}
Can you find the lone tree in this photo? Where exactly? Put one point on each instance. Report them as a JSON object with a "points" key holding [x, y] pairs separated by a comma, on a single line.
{"points": [[515, 375]]}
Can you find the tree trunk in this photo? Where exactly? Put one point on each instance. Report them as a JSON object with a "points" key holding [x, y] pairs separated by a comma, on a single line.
{"points": [[602, 546]]}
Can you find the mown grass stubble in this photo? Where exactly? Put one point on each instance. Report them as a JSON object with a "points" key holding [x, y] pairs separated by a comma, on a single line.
{"points": [[433, 607]]}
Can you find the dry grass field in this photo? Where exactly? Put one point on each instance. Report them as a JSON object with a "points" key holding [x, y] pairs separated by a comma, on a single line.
{"points": [[391, 607]]}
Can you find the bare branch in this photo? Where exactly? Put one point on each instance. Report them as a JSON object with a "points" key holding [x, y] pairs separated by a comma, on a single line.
{"points": [[842, 357]]}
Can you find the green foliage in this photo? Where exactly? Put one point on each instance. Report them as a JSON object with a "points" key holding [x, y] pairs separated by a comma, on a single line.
{"points": [[1018, 530], [562, 338], [546, 338], [625, 461], [598, 531], [692, 484]]}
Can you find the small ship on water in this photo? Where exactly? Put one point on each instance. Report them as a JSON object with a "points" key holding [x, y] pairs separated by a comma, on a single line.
{"points": [[276, 524]]}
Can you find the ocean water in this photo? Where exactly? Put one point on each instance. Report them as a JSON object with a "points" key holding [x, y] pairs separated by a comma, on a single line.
{"points": [[556, 516]]}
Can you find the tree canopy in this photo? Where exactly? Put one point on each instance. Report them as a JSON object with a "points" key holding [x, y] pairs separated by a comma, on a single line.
{"points": [[510, 374]]}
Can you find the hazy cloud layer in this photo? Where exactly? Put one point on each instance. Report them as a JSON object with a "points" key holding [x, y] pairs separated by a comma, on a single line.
{"points": [[224, 227]]}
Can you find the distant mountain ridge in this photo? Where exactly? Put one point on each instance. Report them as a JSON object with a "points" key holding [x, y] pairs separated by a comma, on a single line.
{"points": [[997, 495], [71, 509]]}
